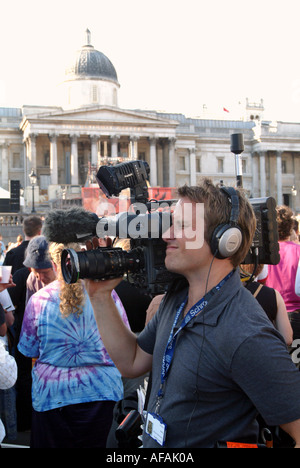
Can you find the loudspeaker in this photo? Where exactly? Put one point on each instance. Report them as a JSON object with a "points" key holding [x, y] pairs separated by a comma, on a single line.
{"points": [[14, 196], [227, 237]]}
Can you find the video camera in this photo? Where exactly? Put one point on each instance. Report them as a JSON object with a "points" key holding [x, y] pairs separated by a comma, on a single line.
{"points": [[144, 262]]}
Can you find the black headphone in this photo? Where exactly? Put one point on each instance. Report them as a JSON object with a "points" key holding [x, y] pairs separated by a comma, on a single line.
{"points": [[227, 237]]}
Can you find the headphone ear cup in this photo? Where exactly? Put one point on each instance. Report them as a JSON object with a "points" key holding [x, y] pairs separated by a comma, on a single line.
{"points": [[225, 241]]}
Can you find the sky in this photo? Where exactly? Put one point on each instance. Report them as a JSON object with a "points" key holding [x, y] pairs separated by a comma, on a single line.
{"points": [[169, 55]]}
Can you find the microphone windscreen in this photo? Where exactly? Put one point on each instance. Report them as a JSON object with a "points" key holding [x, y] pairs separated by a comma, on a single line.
{"points": [[71, 225]]}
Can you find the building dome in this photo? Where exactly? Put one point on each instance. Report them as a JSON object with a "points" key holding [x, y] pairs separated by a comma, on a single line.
{"points": [[89, 64], [90, 80]]}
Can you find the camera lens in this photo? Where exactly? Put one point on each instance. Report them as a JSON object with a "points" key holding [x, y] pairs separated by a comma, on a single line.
{"points": [[70, 265], [102, 263]]}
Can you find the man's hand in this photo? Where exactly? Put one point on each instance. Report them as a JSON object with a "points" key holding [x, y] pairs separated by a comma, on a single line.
{"points": [[97, 288], [6, 285]]}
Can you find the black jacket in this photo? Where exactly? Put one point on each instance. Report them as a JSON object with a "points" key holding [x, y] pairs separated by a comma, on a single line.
{"points": [[16, 256]]}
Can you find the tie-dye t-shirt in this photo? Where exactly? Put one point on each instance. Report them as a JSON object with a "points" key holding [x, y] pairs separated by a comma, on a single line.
{"points": [[72, 363]]}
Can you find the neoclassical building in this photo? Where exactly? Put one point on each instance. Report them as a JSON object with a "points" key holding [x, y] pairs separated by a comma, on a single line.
{"points": [[66, 145]]}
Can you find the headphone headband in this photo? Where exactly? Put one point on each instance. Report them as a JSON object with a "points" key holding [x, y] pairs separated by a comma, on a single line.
{"points": [[234, 201]]}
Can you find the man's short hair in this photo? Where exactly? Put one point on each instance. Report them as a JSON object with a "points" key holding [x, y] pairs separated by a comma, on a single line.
{"points": [[32, 225], [217, 211]]}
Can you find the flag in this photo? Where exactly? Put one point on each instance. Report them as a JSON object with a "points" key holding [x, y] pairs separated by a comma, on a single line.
{"points": [[225, 110]]}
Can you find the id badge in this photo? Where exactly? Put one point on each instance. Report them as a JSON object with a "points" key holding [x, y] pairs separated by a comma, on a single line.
{"points": [[156, 428]]}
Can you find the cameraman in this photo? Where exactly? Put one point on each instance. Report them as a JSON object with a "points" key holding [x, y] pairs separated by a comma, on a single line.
{"points": [[224, 362]]}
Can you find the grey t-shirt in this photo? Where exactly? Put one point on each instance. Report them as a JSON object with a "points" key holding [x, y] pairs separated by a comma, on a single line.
{"points": [[229, 364]]}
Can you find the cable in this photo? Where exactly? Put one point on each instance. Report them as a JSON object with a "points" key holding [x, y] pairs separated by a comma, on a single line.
{"points": [[196, 391], [246, 277]]}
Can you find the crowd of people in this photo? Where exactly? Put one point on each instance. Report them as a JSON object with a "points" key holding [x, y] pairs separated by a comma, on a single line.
{"points": [[216, 346]]}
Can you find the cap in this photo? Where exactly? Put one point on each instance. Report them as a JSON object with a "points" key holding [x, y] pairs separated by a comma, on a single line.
{"points": [[37, 255]]}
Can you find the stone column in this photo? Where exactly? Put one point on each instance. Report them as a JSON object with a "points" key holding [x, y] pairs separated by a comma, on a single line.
{"points": [[165, 162], [105, 151], [193, 179], [31, 155], [262, 164], [74, 159], [160, 167], [53, 159], [32, 150], [94, 149], [153, 162], [4, 168], [133, 147], [279, 178], [255, 171], [172, 163], [114, 146]]}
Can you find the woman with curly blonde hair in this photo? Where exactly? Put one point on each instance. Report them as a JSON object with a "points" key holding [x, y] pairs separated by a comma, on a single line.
{"points": [[71, 295], [75, 384]]}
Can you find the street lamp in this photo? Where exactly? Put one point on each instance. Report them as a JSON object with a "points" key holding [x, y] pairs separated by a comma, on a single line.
{"points": [[33, 179]]}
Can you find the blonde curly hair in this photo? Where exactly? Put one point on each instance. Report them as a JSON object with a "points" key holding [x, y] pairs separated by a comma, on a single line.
{"points": [[71, 295]]}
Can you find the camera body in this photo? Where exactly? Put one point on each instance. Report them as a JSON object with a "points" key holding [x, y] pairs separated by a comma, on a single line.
{"points": [[265, 243]]}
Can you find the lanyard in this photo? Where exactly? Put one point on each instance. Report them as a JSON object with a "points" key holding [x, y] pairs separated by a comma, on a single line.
{"points": [[170, 348]]}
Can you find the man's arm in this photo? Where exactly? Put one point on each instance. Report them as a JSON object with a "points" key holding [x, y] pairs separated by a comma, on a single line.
{"points": [[119, 341]]}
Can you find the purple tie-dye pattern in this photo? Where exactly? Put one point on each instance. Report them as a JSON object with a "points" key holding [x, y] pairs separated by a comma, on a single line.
{"points": [[72, 363]]}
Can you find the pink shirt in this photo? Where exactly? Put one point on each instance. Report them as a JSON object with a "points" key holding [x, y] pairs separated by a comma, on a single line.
{"points": [[283, 276]]}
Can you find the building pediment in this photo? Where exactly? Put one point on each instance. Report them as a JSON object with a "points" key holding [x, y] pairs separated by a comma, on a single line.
{"points": [[98, 119], [101, 113]]}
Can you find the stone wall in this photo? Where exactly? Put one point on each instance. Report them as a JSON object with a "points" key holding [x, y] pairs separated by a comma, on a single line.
{"points": [[11, 227]]}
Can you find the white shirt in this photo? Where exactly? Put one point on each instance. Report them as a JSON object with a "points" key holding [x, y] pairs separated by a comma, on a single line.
{"points": [[8, 375]]}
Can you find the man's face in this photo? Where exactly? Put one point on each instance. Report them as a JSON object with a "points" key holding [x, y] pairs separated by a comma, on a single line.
{"points": [[186, 249], [44, 275]]}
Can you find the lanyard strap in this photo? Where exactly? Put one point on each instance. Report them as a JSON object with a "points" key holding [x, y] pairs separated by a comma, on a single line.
{"points": [[193, 312]]}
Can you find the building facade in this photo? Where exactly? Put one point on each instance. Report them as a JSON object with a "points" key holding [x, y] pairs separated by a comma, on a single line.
{"points": [[66, 145]]}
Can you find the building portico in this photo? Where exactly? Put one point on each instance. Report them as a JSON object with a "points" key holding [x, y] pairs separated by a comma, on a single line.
{"points": [[62, 146]]}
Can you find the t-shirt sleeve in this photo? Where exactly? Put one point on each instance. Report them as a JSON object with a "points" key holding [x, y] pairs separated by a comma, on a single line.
{"points": [[147, 337], [29, 342], [265, 371]]}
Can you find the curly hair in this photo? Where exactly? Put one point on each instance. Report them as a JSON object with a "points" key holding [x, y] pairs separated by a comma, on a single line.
{"points": [[285, 221], [71, 295]]}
